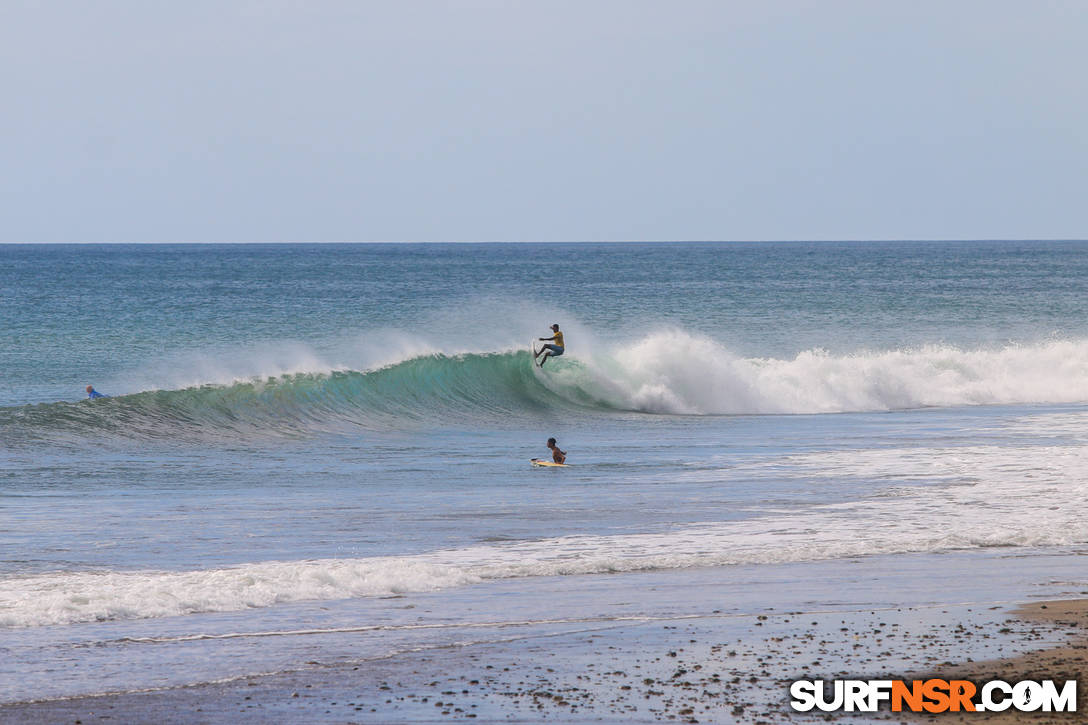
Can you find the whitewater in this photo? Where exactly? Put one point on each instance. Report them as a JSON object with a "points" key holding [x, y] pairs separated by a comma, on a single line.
{"points": [[669, 373], [306, 438]]}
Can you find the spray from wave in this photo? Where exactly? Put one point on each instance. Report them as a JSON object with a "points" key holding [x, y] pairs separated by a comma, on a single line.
{"points": [[671, 372], [674, 372]]}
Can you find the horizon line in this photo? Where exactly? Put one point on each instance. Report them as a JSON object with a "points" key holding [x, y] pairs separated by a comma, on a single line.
{"points": [[575, 241]]}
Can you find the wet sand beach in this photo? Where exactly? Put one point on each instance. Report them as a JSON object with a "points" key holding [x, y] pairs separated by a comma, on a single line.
{"points": [[713, 668], [1066, 661]]}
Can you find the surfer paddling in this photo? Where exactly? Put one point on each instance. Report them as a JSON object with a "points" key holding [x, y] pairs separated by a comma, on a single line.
{"points": [[553, 349], [92, 393], [558, 456]]}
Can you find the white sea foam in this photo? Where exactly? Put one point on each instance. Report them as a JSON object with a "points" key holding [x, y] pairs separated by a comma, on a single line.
{"points": [[991, 496], [67, 597], [672, 371], [959, 498], [677, 372]]}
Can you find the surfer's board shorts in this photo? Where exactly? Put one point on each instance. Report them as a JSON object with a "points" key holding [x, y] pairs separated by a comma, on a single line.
{"points": [[556, 350]]}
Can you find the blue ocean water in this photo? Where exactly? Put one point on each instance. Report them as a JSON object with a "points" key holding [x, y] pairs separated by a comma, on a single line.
{"points": [[296, 433]]}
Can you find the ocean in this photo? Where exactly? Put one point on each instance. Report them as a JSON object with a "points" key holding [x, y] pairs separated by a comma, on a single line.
{"points": [[320, 453]]}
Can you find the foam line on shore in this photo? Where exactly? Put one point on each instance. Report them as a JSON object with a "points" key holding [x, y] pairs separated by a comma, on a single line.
{"points": [[502, 624]]}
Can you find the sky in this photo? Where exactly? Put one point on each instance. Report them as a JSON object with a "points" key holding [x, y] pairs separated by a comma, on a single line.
{"points": [[586, 120]]}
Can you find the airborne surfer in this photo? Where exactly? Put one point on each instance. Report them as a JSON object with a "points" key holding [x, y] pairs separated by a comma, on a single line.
{"points": [[551, 350]]}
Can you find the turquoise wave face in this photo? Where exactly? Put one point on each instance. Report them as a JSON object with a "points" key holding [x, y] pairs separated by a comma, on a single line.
{"points": [[671, 373], [422, 391]]}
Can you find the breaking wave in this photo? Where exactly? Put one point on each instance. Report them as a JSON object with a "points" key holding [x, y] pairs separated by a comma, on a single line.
{"points": [[671, 372]]}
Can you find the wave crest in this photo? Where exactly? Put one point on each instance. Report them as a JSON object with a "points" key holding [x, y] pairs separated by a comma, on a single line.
{"points": [[670, 372], [675, 372]]}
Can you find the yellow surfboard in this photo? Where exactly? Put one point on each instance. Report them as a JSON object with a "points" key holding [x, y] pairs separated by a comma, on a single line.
{"points": [[541, 462]]}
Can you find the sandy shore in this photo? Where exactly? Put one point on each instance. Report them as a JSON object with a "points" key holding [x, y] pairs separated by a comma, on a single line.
{"points": [[1065, 662], [713, 668]]}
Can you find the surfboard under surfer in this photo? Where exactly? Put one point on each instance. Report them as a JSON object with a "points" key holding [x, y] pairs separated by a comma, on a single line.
{"points": [[551, 350]]}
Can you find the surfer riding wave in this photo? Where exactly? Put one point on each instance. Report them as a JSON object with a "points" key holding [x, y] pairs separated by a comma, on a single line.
{"points": [[554, 349]]}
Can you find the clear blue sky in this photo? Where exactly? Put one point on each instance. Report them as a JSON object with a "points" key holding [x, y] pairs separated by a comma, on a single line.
{"points": [[593, 120]]}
